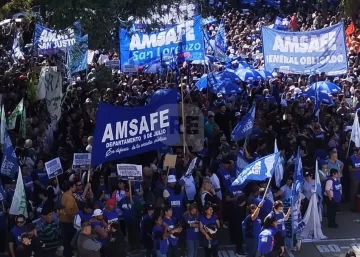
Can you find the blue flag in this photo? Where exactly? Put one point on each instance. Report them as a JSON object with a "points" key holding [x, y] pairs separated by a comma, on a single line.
{"points": [[141, 48], [131, 131], [220, 38], [10, 164], [244, 127], [2, 192], [259, 170], [77, 56], [241, 163], [48, 41], [322, 50], [281, 24], [298, 178]]}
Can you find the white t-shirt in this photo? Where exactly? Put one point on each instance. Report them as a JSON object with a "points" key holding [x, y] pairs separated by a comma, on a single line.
{"points": [[189, 187], [216, 185]]}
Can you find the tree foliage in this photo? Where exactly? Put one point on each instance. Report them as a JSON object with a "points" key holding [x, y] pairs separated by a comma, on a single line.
{"points": [[102, 18], [350, 8], [15, 6]]}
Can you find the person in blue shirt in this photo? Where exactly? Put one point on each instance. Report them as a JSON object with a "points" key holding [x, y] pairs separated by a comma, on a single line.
{"points": [[15, 233], [173, 228], [209, 226], [129, 213], [266, 208], [28, 182], [251, 227], [39, 175], [83, 216], [333, 192], [354, 168], [160, 236], [178, 202], [192, 233], [270, 241], [278, 213], [99, 226], [109, 212]]}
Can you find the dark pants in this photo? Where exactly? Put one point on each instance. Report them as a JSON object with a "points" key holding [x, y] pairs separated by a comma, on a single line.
{"points": [[50, 253], [211, 252], [123, 227], [251, 246], [304, 206], [150, 253], [172, 251], [331, 211], [133, 236], [68, 233]]}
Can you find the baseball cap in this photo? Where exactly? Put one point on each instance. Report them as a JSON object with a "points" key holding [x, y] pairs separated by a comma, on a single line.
{"points": [[111, 202], [97, 212], [148, 207], [219, 95], [237, 114], [171, 179]]}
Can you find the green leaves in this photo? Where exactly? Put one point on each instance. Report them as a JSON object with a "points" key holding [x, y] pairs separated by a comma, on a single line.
{"points": [[102, 18], [14, 6]]}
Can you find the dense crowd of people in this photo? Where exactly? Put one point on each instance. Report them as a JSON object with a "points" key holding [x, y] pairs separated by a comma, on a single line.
{"points": [[169, 214]]}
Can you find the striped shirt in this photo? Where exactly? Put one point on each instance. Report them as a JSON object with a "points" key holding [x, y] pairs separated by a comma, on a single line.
{"points": [[49, 235]]}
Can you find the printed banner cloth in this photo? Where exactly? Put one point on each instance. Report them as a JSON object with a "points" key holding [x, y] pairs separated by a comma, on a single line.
{"points": [[138, 48], [308, 52], [131, 131]]}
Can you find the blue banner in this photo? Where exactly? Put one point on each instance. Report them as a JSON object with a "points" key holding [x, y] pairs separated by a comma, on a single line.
{"points": [[307, 52], [77, 55], [259, 170], [48, 41], [10, 164], [220, 38], [241, 163], [131, 131], [244, 127], [140, 48]]}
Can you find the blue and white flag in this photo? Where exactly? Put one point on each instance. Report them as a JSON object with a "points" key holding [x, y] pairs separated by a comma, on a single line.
{"points": [[220, 38], [2, 192], [141, 48], [77, 55], [355, 131], [281, 24], [307, 52], [279, 170], [131, 131], [241, 163], [17, 54], [298, 178], [259, 170], [208, 20], [48, 41], [244, 127], [10, 164]]}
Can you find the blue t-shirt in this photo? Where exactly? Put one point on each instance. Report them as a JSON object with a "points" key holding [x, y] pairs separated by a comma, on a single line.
{"points": [[211, 223], [192, 233]]}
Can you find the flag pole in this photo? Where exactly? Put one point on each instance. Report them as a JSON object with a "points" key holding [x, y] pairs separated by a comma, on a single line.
{"points": [[183, 114], [266, 189]]}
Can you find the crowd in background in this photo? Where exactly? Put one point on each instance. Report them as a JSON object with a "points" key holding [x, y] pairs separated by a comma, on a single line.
{"points": [[86, 211]]}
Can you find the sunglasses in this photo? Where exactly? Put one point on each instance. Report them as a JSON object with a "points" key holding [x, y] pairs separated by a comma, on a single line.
{"points": [[20, 222]]}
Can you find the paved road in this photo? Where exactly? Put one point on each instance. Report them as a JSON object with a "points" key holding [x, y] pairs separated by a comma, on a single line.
{"points": [[339, 241]]}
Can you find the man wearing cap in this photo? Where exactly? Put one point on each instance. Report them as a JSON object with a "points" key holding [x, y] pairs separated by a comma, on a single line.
{"points": [[49, 233], [109, 212], [99, 226], [332, 198], [219, 101], [169, 190]]}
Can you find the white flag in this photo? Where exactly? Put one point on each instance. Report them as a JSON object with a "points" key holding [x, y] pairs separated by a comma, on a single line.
{"points": [[279, 170], [18, 111], [18, 204], [355, 132], [2, 125]]}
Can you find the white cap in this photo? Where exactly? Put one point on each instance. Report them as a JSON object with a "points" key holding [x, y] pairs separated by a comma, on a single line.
{"points": [[237, 114], [97, 212], [171, 179], [219, 95]]}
